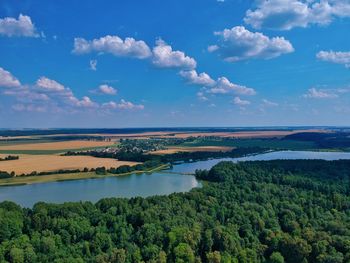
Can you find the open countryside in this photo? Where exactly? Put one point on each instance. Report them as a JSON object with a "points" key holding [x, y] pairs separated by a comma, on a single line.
{"points": [[208, 131]]}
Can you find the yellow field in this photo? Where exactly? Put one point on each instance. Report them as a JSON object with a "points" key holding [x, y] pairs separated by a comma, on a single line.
{"points": [[194, 149], [63, 145], [43, 163]]}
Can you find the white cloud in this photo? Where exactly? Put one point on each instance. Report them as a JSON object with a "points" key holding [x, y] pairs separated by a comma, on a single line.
{"points": [[287, 14], [238, 43], [108, 90], [93, 64], [165, 57], [7, 80], [268, 103], [86, 102], [49, 84], [342, 58], [238, 101], [201, 96], [114, 45], [27, 95], [123, 105], [224, 86], [313, 93], [21, 27], [61, 95], [199, 79], [46, 94]]}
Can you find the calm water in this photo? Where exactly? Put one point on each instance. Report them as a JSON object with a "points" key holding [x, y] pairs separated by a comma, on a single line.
{"points": [[284, 155], [96, 189], [159, 183]]}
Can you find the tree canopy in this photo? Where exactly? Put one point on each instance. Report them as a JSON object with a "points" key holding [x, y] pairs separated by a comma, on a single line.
{"points": [[276, 211]]}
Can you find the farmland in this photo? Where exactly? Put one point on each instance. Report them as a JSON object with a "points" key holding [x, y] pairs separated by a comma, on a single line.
{"points": [[43, 163], [171, 150]]}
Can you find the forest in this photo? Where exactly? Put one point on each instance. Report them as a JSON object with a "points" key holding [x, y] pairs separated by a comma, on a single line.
{"points": [[266, 211]]}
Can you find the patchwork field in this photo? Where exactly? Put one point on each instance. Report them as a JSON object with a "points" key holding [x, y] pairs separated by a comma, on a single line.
{"points": [[183, 134], [43, 163], [194, 149]]}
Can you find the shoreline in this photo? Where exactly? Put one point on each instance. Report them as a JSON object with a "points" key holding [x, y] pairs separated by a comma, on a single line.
{"points": [[27, 180]]}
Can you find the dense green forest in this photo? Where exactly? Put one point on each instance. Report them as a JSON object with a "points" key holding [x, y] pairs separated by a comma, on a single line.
{"points": [[275, 211], [333, 140]]}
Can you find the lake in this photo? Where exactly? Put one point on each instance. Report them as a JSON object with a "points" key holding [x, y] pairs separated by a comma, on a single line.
{"points": [[159, 183]]}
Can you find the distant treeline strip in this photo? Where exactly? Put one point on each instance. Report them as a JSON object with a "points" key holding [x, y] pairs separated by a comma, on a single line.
{"points": [[170, 158], [9, 158], [323, 140]]}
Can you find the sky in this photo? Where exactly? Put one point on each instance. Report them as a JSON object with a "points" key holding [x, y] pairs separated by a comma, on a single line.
{"points": [[162, 63]]}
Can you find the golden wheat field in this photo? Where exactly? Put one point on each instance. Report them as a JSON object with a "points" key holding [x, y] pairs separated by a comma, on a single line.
{"points": [[62, 145], [43, 163]]}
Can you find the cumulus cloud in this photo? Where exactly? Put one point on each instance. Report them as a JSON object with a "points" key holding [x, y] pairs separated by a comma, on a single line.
{"points": [[86, 102], [165, 57], [314, 93], [7, 80], [342, 58], [108, 90], [192, 77], [49, 84], [161, 56], [224, 86], [93, 64], [287, 14], [238, 43], [122, 105], [238, 101], [48, 94], [21, 27], [113, 45], [61, 95]]}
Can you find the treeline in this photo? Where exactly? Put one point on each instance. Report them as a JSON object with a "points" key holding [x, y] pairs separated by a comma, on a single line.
{"points": [[148, 165], [9, 158], [270, 212], [170, 158], [324, 140]]}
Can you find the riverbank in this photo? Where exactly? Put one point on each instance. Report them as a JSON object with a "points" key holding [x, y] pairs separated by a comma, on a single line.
{"points": [[25, 180]]}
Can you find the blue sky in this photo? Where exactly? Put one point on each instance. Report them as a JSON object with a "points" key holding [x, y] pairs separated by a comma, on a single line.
{"points": [[165, 63]]}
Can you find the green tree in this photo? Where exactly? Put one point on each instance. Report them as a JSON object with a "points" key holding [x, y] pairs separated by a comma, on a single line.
{"points": [[276, 257], [184, 254]]}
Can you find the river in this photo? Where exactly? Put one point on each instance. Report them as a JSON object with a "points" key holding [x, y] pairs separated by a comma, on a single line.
{"points": [[158, 183]]}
